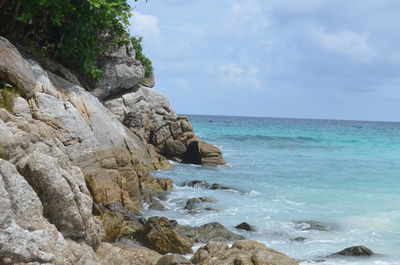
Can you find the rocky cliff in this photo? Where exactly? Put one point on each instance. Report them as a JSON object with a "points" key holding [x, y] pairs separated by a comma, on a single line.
{"points": [[75, 163]]}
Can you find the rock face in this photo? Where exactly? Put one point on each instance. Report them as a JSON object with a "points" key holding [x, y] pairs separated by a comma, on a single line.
{"points": [[121, 72], [356, 251], [25, 234], [245, 252], [149, 115], [15, 70]]}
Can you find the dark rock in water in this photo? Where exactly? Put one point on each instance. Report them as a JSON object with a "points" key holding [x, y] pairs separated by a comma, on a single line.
{"points": [[210, 209], [199, 184], [173, 259], [300, 239], [156, 205], [192, 203], [310, 225], [356, 251], [245, 226], [209, 232], [216, 186]]}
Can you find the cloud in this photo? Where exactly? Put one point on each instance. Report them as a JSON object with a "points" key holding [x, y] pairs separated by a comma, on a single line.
{"points": [[346, 43], [146, 25], [237, 76]]}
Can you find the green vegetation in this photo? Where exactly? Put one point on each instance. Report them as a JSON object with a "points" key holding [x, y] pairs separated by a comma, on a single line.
{"points": [[3, 154], [75, 33], [137, 46], [7, 95]]}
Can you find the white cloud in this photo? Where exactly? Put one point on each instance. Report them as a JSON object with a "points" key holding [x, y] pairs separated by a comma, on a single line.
{"points": [[146, 25], [345, 42], [237, 76]]}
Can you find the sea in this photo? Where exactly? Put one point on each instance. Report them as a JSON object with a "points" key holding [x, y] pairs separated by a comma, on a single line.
{"points": [[335, 183]]}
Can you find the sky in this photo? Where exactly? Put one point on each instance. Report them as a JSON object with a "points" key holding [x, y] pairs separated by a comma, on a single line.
{"points": [[323, 59]]}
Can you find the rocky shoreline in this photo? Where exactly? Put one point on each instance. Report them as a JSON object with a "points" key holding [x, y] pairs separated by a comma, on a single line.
{"points": [[76, 164]]}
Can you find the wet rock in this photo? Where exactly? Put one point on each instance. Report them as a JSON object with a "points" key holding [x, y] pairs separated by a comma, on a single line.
{"points": [[209, 232], [156, 205], [216, 186], [206, 200], [245, 252], [192, 204], [245, 226], [161, 235], [125, 254], [173, 259], [356, 251], [300, 239], [311, 225], [15, 70], [199, 184]]}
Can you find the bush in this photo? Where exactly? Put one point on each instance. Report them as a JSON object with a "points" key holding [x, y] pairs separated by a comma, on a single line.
{"points": [[7, 95], [73, 32], [137, 46]]}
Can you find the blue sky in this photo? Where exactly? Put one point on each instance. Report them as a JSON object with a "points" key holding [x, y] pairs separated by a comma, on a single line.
{"points": [[334, 59]]}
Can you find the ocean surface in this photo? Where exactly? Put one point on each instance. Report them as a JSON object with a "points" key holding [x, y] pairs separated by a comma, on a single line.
{"points": [[288, 172]]}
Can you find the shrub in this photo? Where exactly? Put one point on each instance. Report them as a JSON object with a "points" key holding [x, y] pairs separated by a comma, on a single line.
{"points": [[137, 46]]}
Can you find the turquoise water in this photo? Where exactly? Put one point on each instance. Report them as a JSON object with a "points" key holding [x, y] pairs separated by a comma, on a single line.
{"points": [[342, 173]]}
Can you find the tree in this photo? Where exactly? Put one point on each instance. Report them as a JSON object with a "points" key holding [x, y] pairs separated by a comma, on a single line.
{"points": [[72, 32]]}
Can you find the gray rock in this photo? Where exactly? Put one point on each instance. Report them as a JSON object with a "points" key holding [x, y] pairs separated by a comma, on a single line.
{"points": [[310, 225], [356, 251], [300, 239], [15, 70]]}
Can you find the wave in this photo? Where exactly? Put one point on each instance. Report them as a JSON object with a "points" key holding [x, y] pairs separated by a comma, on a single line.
{"points": [[268, 138]]}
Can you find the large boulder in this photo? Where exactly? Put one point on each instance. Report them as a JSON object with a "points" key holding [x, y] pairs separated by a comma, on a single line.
{"points": [[15, 70], [173, 259], [245, 252], [120, 72], [160, 234]]}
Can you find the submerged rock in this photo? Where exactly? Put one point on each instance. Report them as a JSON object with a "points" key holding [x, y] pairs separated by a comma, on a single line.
{"points": [[199, 184], [356, 251], [310, 225], [245, 252], [300, 239], [192, 203], [245, 226]]}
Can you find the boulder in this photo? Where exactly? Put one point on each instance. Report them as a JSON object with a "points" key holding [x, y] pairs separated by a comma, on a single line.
{"points": [[117, 227], [173, 259], [300, 239], [126, 254], [245, 226], [15, 70], [160, 234], [120, 71], [174, 148], [202, 153], [244, 252], [356, 251]]}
